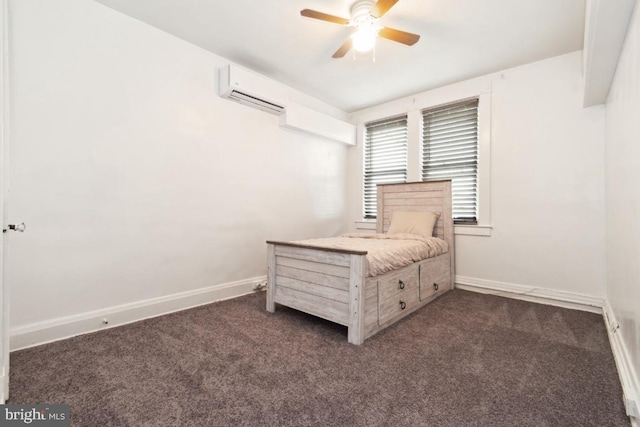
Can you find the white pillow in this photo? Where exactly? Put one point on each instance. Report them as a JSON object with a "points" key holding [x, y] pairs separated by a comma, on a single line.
{"points": [[420, 223]]}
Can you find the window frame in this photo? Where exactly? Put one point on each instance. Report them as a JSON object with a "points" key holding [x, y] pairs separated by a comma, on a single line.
{"points": [[412, 106]]}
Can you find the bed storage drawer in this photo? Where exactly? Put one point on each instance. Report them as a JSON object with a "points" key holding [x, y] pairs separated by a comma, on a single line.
{"points": [[435, 276], [397, 294]]}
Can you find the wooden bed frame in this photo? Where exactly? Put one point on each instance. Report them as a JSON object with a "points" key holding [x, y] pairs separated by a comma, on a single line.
{"points": [[333, 283]]}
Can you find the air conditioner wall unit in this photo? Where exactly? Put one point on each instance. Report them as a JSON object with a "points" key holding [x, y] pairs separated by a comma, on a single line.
{"points": [[249, 89]]}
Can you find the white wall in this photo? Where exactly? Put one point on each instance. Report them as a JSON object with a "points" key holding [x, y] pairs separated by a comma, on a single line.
{"points": [[623, 199], [547, 182], [134, 178]]}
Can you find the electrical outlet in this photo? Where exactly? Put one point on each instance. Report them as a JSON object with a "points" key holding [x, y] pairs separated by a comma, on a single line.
{"points": [[260, 285], [611, 323], [614, 327]]}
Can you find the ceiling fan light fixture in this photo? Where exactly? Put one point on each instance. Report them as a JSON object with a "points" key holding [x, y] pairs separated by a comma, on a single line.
{"points": [[365, 38], [364, 18]]}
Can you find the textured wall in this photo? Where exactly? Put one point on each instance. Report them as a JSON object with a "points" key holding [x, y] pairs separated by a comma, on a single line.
{"points": [[547, 179], [134, 178], [623, 194]]}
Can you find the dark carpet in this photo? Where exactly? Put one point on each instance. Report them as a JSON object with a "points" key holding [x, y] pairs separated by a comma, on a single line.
{"points": [[466, 359]]}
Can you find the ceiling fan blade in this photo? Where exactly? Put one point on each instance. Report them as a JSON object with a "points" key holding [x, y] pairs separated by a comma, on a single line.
{"points": [[399, 36], [342, 51], [382, 7], [323, 16]]}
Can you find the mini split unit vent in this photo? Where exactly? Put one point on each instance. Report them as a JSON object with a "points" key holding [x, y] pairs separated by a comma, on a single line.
{"points": [[248, 88]]}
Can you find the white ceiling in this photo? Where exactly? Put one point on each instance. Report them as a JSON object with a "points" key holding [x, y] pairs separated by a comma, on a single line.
{"points": [[460, 39]]}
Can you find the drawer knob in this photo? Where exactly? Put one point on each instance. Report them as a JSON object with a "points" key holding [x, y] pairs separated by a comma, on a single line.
{"points": [[401, 284], [403, 305], [435, 286]]}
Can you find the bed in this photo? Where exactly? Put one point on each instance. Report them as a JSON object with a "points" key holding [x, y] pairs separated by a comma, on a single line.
{"points": [[335, 283]]}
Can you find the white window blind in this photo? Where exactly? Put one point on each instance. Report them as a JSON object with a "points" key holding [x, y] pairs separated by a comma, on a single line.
{"points": [[385, 158], [450, 151]]}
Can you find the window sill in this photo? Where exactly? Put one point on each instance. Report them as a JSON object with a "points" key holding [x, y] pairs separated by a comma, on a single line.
{"points": [[366, 224], [472, 230], [465, 230]]}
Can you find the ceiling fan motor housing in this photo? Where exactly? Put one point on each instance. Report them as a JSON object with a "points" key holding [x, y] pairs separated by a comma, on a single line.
{"points": [[361, 13]]}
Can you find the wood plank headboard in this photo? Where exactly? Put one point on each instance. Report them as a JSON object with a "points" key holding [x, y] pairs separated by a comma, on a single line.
{"points": [[429, 196]]}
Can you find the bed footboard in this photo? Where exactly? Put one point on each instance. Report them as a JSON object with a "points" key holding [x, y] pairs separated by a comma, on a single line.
{"points": [[328, 283]]}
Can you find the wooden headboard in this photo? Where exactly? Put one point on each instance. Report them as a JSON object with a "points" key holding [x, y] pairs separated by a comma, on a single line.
{"points": [[430, 196]]}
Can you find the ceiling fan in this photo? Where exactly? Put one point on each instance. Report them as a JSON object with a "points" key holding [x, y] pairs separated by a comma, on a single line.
{"points": [[364, 17]]}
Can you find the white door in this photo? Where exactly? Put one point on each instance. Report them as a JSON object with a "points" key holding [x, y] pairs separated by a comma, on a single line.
{"points": [[4, 295]]}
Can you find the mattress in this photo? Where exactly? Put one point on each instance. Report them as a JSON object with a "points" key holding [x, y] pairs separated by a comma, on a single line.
{"points": [[385, 252]]}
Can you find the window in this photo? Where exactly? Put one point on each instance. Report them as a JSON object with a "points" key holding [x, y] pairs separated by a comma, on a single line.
{"points": [[450, 151], [385, 158]]}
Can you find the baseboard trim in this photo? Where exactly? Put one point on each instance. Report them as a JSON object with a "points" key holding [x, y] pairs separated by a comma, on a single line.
{"points": [[533, 294], [70, 326], [628, 377], [3, 397]]}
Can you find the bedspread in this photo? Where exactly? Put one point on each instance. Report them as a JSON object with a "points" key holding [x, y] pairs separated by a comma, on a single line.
{"points": [[385, 252]]}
